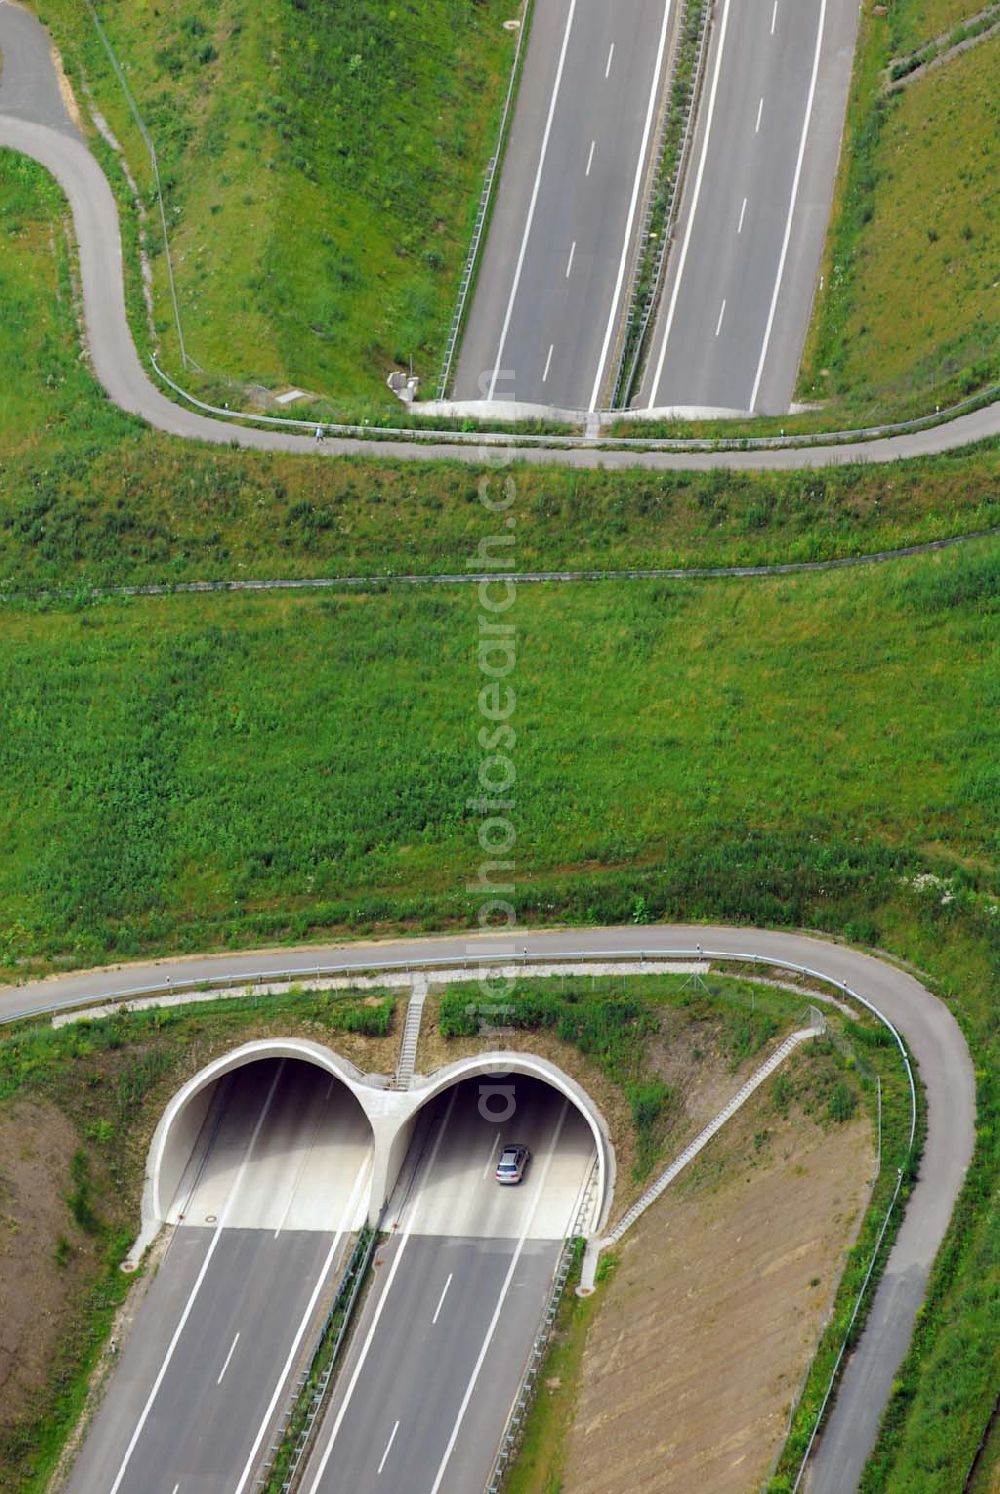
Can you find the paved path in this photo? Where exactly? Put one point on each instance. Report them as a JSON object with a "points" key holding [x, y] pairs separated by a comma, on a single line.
{"points": [[933, 1036], [122, 375]]}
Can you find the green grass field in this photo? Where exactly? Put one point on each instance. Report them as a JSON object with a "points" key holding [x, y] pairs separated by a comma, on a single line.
{"points": [[88, 496], [909, 314], [190, 772], [321, 163]]}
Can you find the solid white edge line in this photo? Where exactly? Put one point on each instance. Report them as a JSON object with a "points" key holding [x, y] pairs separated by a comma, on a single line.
{"points": [[489, 1160], [534, 201], [444, 1293], [137, 1433], [723, 25], [388, 1447], [791, 206], [470, 1388], [229, 1356], [654, 94], [373, 1326], [345, 1225]]}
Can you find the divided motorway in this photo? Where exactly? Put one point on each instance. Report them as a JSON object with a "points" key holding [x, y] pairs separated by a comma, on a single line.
{"points": [[446, 1331]]}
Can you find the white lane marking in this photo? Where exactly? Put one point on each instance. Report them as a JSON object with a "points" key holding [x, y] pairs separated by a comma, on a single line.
{"points": [[489, 1160], [373, 1327], [346, 1223], [611, 53], [590, 157], [569, 262], [548, 362], [229, 1356], [176, 1486], [444, 1294], [791, 205], [722, 312], [760, 110], [654, 94], [300, 1169], [137, 1433], [774, 17], [713, 92], [388, 1445], [534, 200], [743, 213], [469, 1389]]}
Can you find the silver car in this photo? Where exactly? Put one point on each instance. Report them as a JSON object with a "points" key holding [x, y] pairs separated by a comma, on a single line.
{"points": [[511, 1164]]}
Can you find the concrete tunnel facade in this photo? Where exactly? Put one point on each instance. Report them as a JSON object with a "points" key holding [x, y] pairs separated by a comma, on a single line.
{"points": [[391, 1113]]}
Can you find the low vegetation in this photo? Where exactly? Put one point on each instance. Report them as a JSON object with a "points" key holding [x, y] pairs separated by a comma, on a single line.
{"points": [[87, 497], [907, 317], [321, 163]]}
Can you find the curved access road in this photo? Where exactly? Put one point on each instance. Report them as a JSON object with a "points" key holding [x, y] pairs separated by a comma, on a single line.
{"points": [[931, 1033], [32, 123]]}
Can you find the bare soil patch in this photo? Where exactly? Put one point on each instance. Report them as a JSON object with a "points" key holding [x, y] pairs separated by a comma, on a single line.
{"points": [[36, 1145], [710, 1320]]}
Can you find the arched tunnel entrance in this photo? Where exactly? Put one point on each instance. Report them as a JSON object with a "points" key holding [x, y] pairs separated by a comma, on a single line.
{"points": [[266, 1140], [282, 1133], [465, 1117]]}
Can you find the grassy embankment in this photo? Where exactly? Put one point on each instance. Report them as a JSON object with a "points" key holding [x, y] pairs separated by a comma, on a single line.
{"points": [[321, 166], [909, 314], [820, 1089], [88, 497], [110, 1080], [784, 752]]}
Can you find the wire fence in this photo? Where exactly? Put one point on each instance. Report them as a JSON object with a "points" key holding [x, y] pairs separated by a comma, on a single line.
{"points": [[482, 212]]}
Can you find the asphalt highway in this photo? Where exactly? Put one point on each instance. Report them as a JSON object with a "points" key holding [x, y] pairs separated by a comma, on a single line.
{"points": [[739, 289], [554, 275], [124, 379], [931, 1032], [210, 1359], [438, 1352]]}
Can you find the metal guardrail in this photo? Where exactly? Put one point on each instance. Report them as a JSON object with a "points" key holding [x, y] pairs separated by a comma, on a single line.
{"points": [[443, 435], [351, 1283], [472, 258], [622, 386], [492, 961]]}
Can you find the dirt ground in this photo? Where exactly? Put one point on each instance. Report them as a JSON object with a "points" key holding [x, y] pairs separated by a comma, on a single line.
{"points": [[36, 1144], [688, 1054], [711, 1317]]}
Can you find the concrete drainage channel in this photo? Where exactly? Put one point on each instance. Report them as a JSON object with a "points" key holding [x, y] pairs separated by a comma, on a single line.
{"points": [[441, 971]]}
